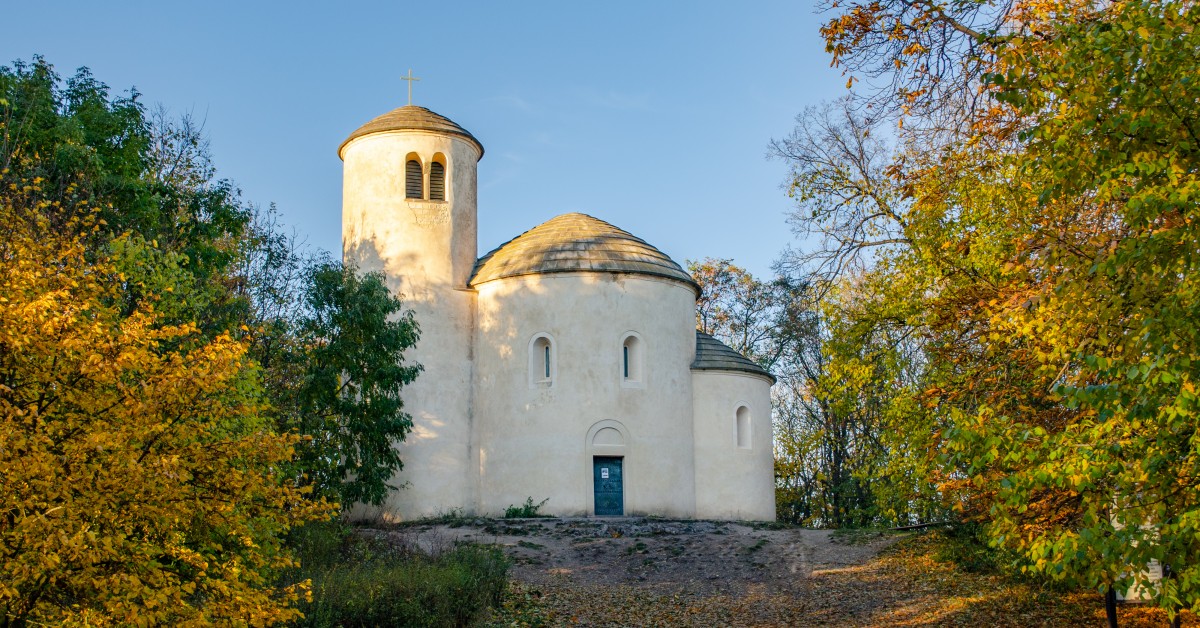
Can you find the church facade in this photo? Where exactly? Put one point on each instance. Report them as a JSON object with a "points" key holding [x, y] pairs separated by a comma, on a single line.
{"points": [[564, 365]]}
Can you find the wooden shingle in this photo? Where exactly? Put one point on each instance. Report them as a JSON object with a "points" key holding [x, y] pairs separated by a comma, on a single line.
{"points": [[714, 355], [577, 243]]}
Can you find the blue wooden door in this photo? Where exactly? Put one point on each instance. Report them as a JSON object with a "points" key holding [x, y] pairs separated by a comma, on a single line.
{"points": [[610, 495]]}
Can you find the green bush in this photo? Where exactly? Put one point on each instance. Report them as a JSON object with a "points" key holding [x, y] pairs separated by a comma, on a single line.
{"points": [[320, 544], [357, 582], [966, 545], [526, 511]]}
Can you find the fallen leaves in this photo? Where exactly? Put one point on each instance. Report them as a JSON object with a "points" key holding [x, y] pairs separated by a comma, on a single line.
{"points": [[904, 586]]}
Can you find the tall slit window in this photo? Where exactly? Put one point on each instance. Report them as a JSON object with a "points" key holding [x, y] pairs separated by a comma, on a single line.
{"points": [[631, 361], [541, 361], [413, 179], [743, 427], [437, 181]]}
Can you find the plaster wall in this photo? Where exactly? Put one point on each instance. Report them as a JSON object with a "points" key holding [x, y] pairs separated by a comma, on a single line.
{"points": [[426, 249], [733, 482], [538, 440]]}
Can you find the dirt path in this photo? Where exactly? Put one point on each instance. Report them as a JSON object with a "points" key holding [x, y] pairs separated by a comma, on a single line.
{"points": [[637, 571], [652, 572], [702, 557]]}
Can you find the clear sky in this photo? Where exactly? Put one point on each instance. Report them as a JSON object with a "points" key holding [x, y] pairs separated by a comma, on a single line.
{"points": [[653, 116]]}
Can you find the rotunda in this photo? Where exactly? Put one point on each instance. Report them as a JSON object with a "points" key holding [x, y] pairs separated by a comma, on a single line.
{"points": [[564, 365]]}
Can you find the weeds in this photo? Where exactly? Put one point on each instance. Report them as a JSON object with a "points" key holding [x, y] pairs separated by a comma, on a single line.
{"points": [[526, 511]]}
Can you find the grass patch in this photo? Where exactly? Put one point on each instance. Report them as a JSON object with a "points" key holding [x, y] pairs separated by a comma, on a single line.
{"points": [[757, 546], [363, 582], [454, 518]]}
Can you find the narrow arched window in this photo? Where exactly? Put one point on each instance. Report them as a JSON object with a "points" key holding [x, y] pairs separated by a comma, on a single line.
{"points": [[743, 427], [413, 178], [541, 361], [437, 181], [631, 360]]}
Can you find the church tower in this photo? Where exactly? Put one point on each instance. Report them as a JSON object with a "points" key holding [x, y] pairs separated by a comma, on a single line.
{"points": [[409, 211]]}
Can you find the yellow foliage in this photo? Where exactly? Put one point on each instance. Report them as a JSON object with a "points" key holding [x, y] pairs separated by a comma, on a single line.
{"points": [[138, 485]]}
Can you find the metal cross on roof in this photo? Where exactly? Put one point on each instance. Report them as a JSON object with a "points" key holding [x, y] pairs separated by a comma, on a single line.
{"points": [[410, 78]]}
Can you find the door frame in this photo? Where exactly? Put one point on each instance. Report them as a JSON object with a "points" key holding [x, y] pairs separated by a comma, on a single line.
{"points": [[591, 451]]}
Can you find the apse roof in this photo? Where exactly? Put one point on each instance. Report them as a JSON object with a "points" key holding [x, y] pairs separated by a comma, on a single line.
{"points": [[410, 118], [714, 355], [577, 243]]}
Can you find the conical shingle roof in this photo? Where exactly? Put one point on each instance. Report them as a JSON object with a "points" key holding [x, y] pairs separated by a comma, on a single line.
{"points": [[577, 243], [714, 355], [412, 118]]}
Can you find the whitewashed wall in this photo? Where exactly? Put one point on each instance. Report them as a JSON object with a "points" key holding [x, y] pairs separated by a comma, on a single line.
{"points": [[534, 440], [427, 250], [733, 482]]}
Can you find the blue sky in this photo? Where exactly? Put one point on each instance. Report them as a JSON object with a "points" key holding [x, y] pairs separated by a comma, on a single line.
{"points": [[652, 116]]}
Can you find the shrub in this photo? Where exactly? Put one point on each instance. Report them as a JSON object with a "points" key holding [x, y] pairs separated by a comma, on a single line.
{"points": [[358, 582]]}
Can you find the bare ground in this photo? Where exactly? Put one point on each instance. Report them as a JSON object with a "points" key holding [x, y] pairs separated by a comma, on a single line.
{"points": [[644, 572], [703, 557]]}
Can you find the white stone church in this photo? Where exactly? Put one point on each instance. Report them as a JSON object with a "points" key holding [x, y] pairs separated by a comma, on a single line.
{"points": [[564, 365]]}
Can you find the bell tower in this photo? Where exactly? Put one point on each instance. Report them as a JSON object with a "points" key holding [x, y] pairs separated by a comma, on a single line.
{"points": [[409, 211]]}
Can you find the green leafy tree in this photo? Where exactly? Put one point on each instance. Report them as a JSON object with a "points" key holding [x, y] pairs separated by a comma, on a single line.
{"points": [[352, 339], [146, 176]]}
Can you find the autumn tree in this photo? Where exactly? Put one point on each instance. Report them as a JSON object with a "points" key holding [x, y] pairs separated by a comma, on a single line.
{"points": [[829, 453], [840, 461], [155, 342], [740, 310], [1040, 202], [189, 246], [142, 484]]}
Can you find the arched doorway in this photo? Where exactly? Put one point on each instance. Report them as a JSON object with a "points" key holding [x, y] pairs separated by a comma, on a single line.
{"points": [[608, 466]]}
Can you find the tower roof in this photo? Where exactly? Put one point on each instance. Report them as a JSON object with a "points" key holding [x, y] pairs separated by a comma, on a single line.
{"points": [[714, 355], [577, 243], [412, 118]]}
